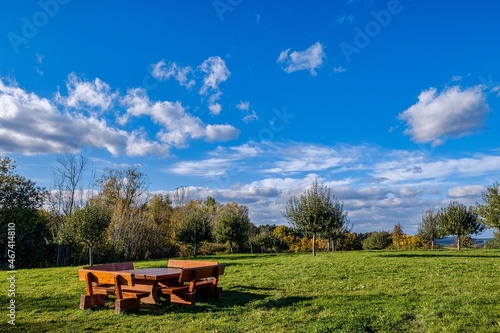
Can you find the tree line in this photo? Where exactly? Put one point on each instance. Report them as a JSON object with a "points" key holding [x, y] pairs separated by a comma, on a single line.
{"points": [[115, 218]]}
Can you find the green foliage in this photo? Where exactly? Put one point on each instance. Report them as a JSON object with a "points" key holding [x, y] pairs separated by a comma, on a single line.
{"points": [[20, 202], [429, 229], [457, 220], [316, 211], [88, 225], [232, 224], [495, 242], [196, 225], [490, 210], [377, 240]]}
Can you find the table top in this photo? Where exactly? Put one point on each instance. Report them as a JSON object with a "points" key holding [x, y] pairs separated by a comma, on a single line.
{"points": [[156, 274]]}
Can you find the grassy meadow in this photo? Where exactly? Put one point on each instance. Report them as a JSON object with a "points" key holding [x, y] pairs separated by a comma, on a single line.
{"points": [[379, 291]]}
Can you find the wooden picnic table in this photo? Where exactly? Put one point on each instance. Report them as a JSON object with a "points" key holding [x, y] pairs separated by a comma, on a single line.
{"points": [[151, 279]]}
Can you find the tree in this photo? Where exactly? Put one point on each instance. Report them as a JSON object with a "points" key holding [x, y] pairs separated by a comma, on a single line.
{"points": [[489, 212], [68, 174], [88, 225], [429, 228], [196, 226], [313, 212], [457, 220], [131, 234], [377, 240], [397, 235], [232, 224], [338, 225], [20, 203]]}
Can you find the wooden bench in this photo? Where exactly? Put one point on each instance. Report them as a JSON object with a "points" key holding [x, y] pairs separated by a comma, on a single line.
{"points": [[99, 284], [207, 282], [118, 266]]}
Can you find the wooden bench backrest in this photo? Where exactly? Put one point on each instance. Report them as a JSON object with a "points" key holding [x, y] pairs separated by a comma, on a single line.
{"points": [[118, 279], [119, 266], [190, 263]]}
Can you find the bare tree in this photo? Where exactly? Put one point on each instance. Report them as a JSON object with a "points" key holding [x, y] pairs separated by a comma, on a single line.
{"points": [[181, 196], [68, 174]]}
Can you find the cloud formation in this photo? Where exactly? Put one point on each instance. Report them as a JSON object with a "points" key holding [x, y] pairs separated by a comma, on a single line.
{"points": [[30, 124], [91, 94], [163, 71], [216, 72], [309, 59], [453, 113]]}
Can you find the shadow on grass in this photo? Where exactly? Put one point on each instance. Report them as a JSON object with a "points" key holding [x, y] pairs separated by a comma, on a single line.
{"points": [[436, 254], [230, 299]]}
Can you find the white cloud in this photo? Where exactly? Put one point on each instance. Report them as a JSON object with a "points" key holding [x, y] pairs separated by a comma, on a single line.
{"points": [[162, 71], [179, 126], [250, 117], [221, 133], [215, 108], [243, 106], [466, 191], [31, 125], [96, 94], [216, 72], [339, 69], [451, 114], [309, 59]]}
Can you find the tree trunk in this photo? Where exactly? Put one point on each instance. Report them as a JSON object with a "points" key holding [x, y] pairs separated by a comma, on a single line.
{"points": [[432, 244], [314, 245], [231, 247], [458, 243], [91, 259]]}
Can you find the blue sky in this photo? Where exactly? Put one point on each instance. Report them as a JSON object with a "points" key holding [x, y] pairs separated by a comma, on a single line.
{"points": [[394, 105]]}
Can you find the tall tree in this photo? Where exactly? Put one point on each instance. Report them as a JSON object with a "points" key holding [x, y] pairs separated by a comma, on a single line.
{"points": [[195, 226], [489, 212], [429, 228], [20, 203], [232, 224], [125, 193], [397, 235], [457, 220], [313, 212], [67, 195]]}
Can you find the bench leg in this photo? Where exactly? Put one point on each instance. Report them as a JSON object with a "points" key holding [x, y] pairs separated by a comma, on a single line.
{"points": [[87, 302], [127, 304], [186, 299]]}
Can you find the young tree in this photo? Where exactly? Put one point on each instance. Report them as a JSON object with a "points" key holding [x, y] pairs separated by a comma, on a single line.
{"points": [[429, 228], [489, 212], [232, 224], [397, 235], [457, 220], [313, 212], [195, 226], [88, 225]]}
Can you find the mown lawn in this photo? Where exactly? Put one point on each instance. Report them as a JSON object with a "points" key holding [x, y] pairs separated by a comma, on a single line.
{"points": [[386, 291]]}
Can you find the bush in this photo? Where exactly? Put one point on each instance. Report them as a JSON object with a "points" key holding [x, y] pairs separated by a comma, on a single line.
{"points": [[495, 242], [377, 240]]}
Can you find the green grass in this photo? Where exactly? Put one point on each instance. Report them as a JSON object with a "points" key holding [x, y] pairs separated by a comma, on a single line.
{"points": [[386, 291]]}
